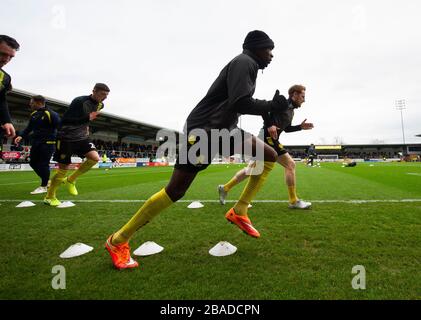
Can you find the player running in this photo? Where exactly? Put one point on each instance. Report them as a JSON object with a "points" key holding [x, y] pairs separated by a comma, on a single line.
{"points": [[73, 139], [230, 95], [43, 123], [274, 124]]}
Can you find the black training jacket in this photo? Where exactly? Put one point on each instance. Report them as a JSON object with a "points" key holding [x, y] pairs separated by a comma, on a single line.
{"points": [[282, 119], [43, 123], [75, 121], [5, 86], [230, 96]]}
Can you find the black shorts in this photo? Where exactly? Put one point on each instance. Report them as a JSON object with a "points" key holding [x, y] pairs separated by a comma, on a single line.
{"points": [[66, 149], [191, 161], [275, 144]]}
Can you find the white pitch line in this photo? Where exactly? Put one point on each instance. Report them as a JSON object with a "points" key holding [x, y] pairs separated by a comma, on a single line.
{"points": [[108, 175], [217, 201], [16, 183]]}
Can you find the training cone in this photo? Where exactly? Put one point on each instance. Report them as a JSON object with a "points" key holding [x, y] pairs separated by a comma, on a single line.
{"points": [[250, 206], [222, 249], [76, 250], [25, 204], [148, 248], [66, 204], [195, 205]]}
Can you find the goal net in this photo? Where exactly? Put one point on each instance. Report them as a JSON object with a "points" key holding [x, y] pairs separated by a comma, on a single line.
{"points": [[328, 157]]}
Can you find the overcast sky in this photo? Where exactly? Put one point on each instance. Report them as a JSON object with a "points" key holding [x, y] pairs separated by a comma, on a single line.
{"points": [[159, 58]]}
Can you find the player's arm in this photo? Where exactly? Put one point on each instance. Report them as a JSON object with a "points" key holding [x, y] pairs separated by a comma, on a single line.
{"points": [[269, 123], [268, 120], [303, 126], [249, 105], [87, 108], [29, 128], [55, 120], [240, 89], [25, 133], [293, 128], [5, 119], [4, 109]]}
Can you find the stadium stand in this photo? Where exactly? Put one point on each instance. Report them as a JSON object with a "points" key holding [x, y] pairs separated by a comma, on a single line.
{"points": [[110, 133], [125, 138]]}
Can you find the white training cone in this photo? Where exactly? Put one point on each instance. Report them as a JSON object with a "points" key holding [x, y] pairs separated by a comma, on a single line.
{"points": [[76, 250], [66, 204], [147, 249], [25, 204], [250, 206], [195, 205], [222, 249]]}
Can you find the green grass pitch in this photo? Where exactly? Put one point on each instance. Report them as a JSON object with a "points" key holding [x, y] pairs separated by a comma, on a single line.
{"points": [[300, 255]]}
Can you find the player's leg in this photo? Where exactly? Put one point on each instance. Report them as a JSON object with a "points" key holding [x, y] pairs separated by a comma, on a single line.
{"points": [[288, 163], [240, 175], [290, 179], [238, 214], [42, 165], [85, 149], [62, 156], [256, 180], [56, 181], [117, 244], [34, 156], [92, 158], [179, 183]]}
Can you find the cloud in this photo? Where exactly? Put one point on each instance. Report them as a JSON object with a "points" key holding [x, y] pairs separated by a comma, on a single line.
{"points": [[160, 58]]}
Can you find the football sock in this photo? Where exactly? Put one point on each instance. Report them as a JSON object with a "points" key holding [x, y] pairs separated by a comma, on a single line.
{"points": [[55, 183], [239, 177], [230, 184], [84, 167], [292, 194], [254, 183], [154, 205]]}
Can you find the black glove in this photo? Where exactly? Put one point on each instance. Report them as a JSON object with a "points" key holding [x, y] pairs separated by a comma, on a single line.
{"points": [[279, 102]]}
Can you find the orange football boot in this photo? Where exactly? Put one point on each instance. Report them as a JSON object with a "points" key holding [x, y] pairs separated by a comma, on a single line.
{"points": [[120, 254], [243, 222]]}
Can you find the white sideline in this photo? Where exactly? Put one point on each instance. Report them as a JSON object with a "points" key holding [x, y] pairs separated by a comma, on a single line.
{"points": [[87, 177], [17, 183], [217, 201]]}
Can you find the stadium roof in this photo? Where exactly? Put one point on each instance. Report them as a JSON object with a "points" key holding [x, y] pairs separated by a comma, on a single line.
{"points": [[19, 101]]}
